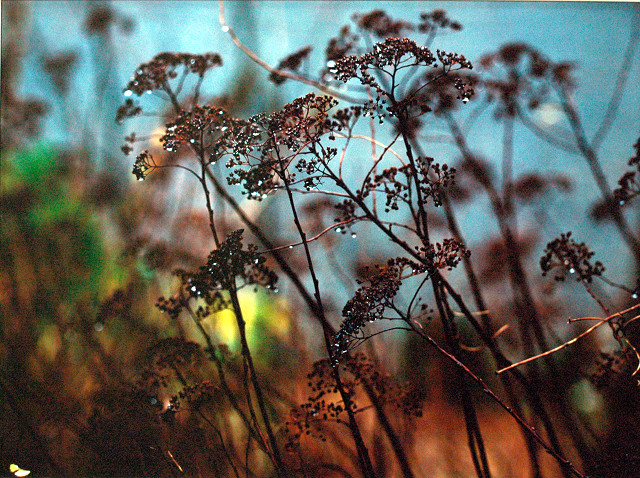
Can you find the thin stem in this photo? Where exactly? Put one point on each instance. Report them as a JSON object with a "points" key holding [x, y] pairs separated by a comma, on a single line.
{"points": [[621, 80], [566, 464], [572, 341], [246, 353], [363, 453]]}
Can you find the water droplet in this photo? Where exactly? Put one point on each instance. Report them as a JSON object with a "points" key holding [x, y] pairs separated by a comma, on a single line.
{"points": [[224, 128], [256, 261], [634, 296], [98, 327], [572, 271], [331, 64], [128, 93], [622, 203], [276, 290], [354, 235], [192, 140], [338, 229], [290, 247], [153, 400], [225, 28], [149, 92], [140, 179], [465, 100], [193, 288]]}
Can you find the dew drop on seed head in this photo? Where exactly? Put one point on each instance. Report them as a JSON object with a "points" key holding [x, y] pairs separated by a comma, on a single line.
{"points": [[128, 93]]}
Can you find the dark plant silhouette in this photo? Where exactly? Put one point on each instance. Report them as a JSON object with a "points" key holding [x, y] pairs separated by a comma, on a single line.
{"points": [[322, 305]]}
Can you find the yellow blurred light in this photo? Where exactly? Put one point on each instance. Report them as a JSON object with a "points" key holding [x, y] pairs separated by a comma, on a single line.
{"points": [[156, 134], [259, 310], [17, 471]]}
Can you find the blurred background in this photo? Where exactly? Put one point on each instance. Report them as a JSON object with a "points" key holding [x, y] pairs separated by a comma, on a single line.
{"points": [[85, 251]]}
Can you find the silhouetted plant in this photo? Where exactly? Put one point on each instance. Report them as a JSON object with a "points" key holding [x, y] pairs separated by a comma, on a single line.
{"points": [[309, 261]]}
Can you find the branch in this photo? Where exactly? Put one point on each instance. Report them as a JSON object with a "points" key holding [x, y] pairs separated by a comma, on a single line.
{"points": [[574, 340], [301, 79]]}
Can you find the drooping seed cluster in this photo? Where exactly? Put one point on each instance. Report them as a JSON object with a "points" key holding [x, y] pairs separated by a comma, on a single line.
{"points": [[367, 305]]}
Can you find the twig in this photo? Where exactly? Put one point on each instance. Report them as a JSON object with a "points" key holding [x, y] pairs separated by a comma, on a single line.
{"points": [[572, 341], [302, 79]]}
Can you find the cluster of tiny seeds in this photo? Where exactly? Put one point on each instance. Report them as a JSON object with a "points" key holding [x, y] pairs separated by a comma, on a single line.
{"points": [[628, 185], [437, 19], [381, 25], [444, 255], [227, 264], [564, 255], [528, 77], [290, 63], [173, 351], [324, 406], [614, 369], [128, 109], [367, 305], [294, 132], [195, 127], [155, 74], [143, 165]]}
